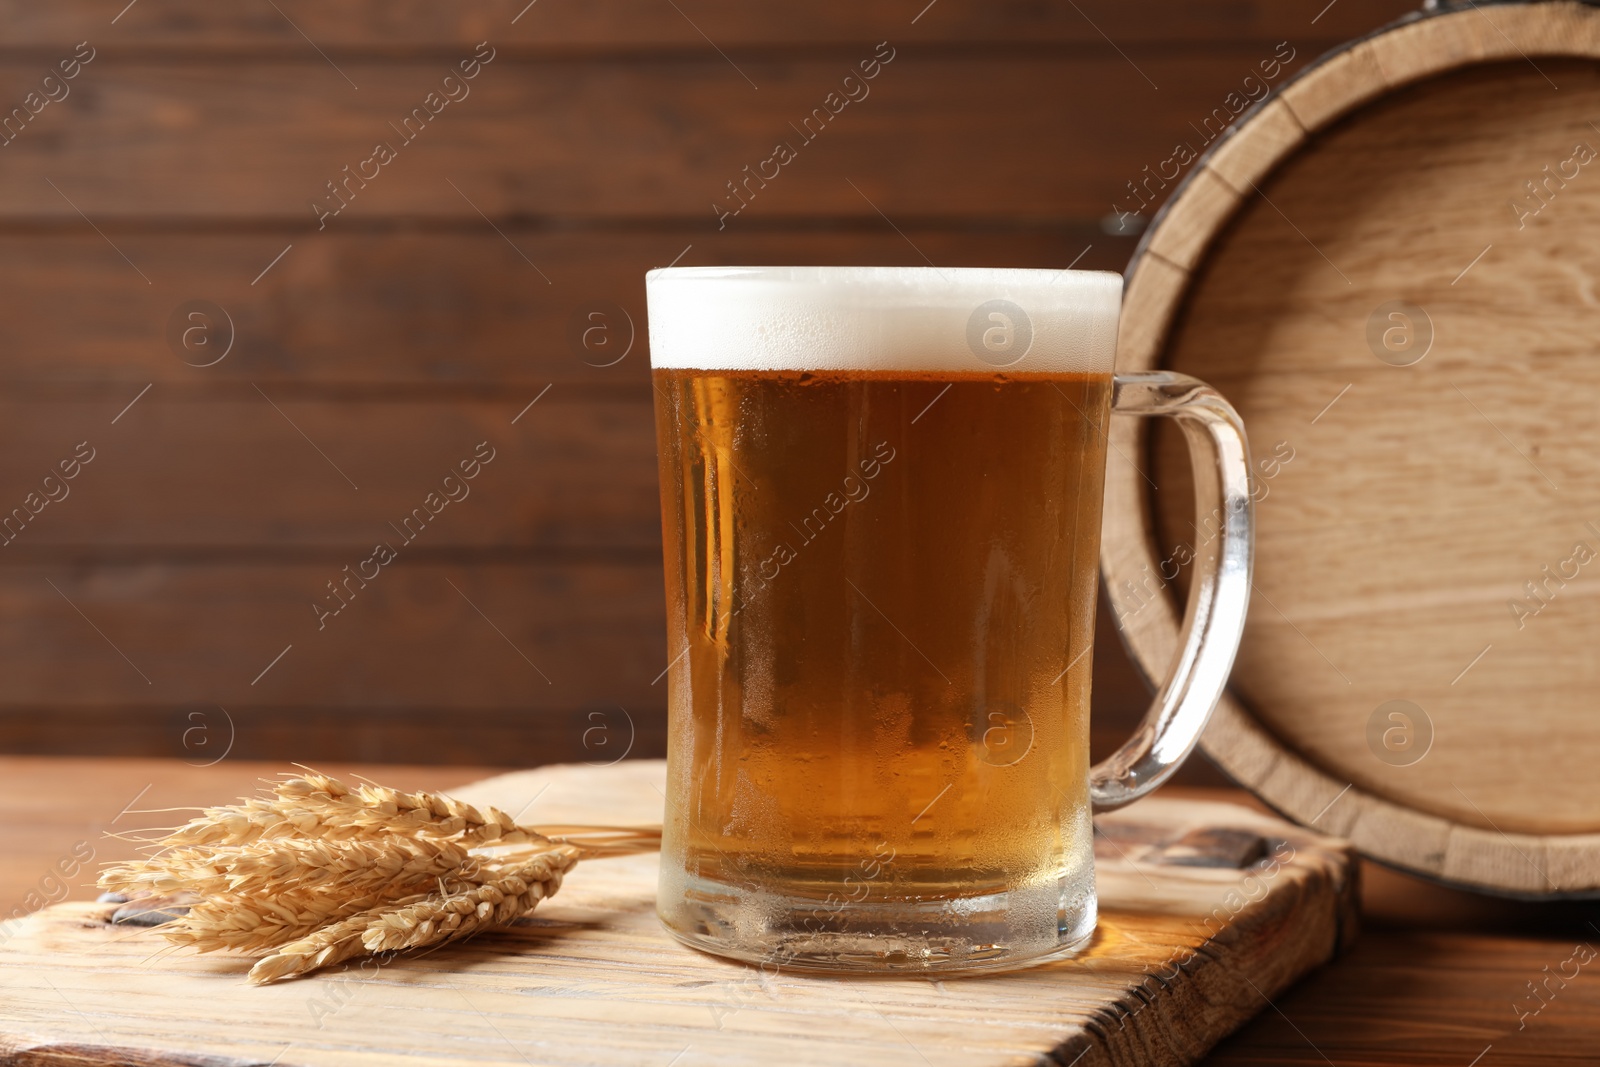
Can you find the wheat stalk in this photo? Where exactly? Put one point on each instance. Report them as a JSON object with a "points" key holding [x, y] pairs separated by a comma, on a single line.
{"points": [[319, 871]]}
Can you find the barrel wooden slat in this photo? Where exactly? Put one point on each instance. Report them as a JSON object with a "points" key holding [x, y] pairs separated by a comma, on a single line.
{"points": [[1513, 863], [1424, 48], [1189, 224], [1333, 87], [1148, 303], [1573, 860], [1239, 161], [1424, 495]]}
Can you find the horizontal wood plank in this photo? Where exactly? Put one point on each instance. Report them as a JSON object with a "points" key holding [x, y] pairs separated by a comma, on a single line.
{"points": [[524, 637], [575, 471], [203, 735], [595, 732], [456, 310], [1403, 997], [644, 24], [931, 136], [410, 667]]}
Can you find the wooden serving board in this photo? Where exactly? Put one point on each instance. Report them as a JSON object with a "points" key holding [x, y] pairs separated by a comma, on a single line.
{"points": [[1207, 911]]}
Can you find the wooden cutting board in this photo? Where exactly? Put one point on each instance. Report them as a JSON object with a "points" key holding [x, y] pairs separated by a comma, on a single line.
{"points": [[1207, 911], [1389, 268]]}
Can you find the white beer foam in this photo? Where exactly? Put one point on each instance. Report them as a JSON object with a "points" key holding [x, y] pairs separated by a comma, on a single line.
{"points": [[883, 319]]}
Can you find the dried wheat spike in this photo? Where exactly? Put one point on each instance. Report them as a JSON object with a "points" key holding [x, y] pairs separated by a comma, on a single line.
{"points": [[320, 871], [319, 947], [498, 900], [428, 920], [260, 923], [420, 812], [258, 818], [244, 924], [384, 864]]}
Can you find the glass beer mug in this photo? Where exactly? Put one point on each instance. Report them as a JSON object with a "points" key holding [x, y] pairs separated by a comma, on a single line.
{"points": [[881, 494]]}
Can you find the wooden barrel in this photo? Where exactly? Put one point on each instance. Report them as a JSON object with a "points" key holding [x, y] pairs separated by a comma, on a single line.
{"points": [[1392, 267]]}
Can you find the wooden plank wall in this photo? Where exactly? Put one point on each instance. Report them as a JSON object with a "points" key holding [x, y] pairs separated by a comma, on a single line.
{"points": [[356, 346]]}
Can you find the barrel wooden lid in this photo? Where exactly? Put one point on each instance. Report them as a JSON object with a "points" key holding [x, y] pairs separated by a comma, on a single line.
{"points": [[1392, 268]]}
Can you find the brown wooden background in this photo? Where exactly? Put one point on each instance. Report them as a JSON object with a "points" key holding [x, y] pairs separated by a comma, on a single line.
{"points": [[137, 616]]}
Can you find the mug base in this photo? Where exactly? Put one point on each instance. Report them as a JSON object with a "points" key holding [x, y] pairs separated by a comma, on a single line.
{"points": [[971, 935]]}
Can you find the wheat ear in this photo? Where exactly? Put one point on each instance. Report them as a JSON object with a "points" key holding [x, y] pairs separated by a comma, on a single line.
{"points": [[433, 919], [320, 872]]}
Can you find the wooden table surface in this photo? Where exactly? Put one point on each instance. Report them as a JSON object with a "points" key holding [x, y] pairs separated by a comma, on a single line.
{"points": [[1438, 977]]}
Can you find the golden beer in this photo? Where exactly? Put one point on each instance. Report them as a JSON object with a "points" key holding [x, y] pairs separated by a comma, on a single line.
{"points": [[881, 495], [882, 588]]}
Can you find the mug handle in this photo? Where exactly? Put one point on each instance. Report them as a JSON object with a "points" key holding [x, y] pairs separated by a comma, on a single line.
{"points": [[1219, 591]]}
